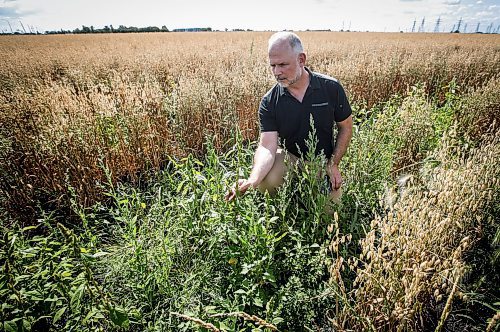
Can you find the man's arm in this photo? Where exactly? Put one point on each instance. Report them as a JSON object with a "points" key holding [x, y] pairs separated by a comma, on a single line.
{"points": [[341, 143], [262, 163]]}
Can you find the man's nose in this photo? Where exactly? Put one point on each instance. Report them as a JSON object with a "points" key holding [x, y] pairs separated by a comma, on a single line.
{"points": [[277, 71]]}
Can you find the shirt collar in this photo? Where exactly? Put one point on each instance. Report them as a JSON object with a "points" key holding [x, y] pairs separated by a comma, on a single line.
{"points": [[313, 82]]}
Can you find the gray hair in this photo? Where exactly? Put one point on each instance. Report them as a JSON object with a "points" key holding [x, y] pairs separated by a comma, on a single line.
{"points": [[290, 37]]}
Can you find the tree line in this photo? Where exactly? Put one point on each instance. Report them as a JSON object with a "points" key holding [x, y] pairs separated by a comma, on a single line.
{"points": [[121, 29]]}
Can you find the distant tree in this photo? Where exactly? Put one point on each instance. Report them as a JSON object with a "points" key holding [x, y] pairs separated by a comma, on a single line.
{"points": [[150, 29]]}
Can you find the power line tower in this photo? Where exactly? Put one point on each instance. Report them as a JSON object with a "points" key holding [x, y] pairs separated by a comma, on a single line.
{"points": [[498, 29], [459, 24], [413, 28], [10, 26], [421, 27], [477, 27], [465, 28], [22, 26], [438, 22], [453, 29], [489, 28]]}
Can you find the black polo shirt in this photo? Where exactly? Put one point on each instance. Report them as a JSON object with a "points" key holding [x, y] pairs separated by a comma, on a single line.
{"points": [[325, 100]]}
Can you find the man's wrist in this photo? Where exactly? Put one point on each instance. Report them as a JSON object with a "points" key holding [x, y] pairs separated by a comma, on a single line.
{"points": [[333, 163], [253, 182]]}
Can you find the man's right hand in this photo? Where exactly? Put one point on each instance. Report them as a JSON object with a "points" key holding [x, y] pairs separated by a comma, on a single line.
{"points": [[238, 189]]}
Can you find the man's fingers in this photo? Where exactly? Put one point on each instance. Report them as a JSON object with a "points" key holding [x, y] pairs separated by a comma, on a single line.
{"points": [[239, 188], [336, 182], [230, 195]]}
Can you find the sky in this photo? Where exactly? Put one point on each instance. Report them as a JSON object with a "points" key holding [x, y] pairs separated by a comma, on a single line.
{"points": [[297, 15]]}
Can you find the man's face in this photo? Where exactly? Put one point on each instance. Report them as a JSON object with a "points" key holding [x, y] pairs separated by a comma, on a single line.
{"points": [[285, 64]]}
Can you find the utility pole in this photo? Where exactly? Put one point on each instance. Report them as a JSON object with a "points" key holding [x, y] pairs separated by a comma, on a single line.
{"points": [[490, 28], [22, 26], [421, 28], [459, 24], [413, 28], [453, 29], [465, 28], [9, 25], [477, 27], [438, 22]]}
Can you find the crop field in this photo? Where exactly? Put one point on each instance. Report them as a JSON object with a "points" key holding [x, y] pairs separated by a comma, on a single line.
{"points": [[116, 151]]}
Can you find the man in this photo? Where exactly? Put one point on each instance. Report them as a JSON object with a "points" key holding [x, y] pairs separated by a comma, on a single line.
{"points": [[284, 116]]}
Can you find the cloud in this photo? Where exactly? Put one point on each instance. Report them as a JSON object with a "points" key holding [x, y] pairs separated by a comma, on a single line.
{"points": [[11, 12], [452, 2], [410, 0], [483, 14], [479, 2], [14, 12]]}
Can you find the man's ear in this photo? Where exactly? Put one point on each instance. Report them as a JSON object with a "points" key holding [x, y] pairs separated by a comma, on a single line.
{"points": [[302, 59]]}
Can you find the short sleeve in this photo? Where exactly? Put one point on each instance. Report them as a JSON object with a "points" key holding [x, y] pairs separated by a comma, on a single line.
{"points": [[267, 116], [342, 106]]}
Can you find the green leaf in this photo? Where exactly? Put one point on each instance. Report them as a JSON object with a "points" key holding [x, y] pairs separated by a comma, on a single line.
{"points": [[59, 314], [26, 325], [100, 253], [77, 296], [35, 295], [269, 277], [6, 306], [210, 309], [93, 313], [224, 327], [29, 227], [246, 268], [10, 326], [119, 317], [52, 299], [273, 219], [277, 320], [258, 302]]}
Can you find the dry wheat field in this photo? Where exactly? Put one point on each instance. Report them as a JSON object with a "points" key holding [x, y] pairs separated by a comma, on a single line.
{"points": [[116, 151]]}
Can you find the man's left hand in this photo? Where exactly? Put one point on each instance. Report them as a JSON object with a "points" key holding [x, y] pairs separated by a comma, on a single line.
{"points": [[335, 176]]}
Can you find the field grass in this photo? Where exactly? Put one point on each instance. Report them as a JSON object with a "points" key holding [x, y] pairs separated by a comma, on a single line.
{"points": [[117, 150]]}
